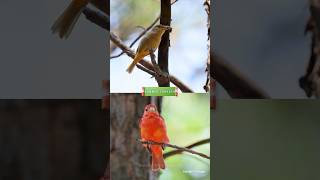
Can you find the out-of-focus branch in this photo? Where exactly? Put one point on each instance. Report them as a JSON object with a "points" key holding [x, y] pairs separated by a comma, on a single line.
{"points": [[116, 40], [179, 151], [236, 84], [175, 147], [97, 18], [310, 82], [233, 81]]}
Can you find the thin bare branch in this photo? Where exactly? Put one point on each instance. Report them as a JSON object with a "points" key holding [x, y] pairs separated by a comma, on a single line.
{"points": [[146, 70], [154, 63], [178, 151], [175, 147]]}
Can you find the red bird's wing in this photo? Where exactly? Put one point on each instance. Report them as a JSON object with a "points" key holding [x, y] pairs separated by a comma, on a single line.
{"points": [[166, 138]]}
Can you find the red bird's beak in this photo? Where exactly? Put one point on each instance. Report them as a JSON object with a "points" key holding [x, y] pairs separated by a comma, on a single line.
{"points": [[152, 109]]}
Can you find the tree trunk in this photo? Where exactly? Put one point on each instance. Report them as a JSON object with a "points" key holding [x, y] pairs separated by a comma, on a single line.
{"points": [[163, 51], [128, 158]]}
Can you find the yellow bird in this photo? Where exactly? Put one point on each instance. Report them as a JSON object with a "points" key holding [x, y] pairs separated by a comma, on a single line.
{"points": [[150, 41], [66, 21]]}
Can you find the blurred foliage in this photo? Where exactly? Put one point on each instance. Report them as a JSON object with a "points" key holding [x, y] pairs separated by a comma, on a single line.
{"points": [[127, 15], [188, 121], [267, 139]]}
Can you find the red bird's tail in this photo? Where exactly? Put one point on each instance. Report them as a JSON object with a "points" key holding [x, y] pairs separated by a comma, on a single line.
{"points": [[157, 158]]}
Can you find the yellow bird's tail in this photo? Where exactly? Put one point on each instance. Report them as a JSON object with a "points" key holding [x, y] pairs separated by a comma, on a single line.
{"points": [[133, 64], [131, 67], [66, 21]]}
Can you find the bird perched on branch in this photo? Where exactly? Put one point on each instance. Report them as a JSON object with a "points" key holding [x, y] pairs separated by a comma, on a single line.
{"points": [[153, 128], [66, 21], [150, 41]]}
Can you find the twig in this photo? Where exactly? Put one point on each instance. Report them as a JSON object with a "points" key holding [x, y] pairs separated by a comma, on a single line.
{"points": [[146, 70], [161, 77], [97, 18], [176, 147], [174, 2], [116, 40], [233, 81], [154, 63], [178, 151]]}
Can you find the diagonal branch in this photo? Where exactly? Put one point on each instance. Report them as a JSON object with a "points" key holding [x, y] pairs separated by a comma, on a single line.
{"points": [[116, 40], [179, 151], [237, 85], [175, 147], [97, 18]]}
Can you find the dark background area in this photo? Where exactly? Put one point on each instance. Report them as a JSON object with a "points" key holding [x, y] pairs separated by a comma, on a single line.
{"points": [[265, 139], [265, 41], [53, 139], [34, 63]]}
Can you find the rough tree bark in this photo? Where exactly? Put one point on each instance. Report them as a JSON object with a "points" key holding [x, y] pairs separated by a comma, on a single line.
{"points": [[163, 51], [128, 158]]}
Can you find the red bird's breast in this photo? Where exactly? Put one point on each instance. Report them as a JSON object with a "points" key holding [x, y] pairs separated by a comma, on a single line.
{"points": [[153, 128]]}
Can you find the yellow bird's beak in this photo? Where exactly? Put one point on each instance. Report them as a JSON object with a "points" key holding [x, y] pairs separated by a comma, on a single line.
{"points": [[166, 27]]}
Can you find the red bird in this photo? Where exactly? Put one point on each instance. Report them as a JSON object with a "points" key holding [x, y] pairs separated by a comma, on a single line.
{"points": [[153, 128]]}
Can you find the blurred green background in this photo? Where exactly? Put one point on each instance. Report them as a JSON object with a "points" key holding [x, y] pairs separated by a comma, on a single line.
{"points": [[266, 139], [188, 121]]}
